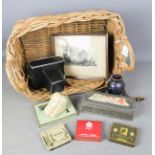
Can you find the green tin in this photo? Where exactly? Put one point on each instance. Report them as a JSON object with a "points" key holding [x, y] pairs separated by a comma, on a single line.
{"points": [[43, 119]]}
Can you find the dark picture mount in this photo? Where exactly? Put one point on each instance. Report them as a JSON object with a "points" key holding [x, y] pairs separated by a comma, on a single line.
{"points": [[76, 56]]}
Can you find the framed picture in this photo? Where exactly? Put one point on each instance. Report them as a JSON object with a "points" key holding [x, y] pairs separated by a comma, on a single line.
{"points": [[85, 56]]}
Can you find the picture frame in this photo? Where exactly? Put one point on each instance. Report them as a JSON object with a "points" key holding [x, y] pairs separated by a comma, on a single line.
{"points": [[85, 55]]}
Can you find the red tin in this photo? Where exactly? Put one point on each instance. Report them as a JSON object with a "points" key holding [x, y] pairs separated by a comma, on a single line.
{"points": [[87, 130]]}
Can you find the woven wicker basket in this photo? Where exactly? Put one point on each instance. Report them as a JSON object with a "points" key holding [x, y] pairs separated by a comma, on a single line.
{"points": [[30, 39]]}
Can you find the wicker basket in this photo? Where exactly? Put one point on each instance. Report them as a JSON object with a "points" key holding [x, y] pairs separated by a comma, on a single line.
{"points": [[30, 39]]}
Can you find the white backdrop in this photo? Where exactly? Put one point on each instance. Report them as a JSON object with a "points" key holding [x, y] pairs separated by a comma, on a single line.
{"points": [[136, 14]]}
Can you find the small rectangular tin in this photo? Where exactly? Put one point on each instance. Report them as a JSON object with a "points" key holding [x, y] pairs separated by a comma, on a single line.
{"points": [[123, 134], [106, 104], [43, 119], [55, 137], [87, 130]]}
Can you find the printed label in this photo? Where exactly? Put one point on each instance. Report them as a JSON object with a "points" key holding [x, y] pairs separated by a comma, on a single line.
{"points": [[109, 99], [89, 125]]}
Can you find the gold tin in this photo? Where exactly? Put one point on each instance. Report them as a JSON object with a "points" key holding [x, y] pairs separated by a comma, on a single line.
{"points": [[123, 134]]}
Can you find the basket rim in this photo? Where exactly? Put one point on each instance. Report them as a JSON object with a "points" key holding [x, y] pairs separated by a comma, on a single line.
{"points": [[14, 53]]}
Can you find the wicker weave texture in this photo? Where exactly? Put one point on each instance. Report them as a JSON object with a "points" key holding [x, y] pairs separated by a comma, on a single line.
{"points": [[31, 39]]}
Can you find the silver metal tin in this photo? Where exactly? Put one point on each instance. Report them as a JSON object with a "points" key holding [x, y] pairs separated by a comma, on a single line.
{"points": [[107, 104]]}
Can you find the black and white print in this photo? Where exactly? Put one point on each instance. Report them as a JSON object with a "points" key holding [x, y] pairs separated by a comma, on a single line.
{"points": [[85, 56], [76, 56]]}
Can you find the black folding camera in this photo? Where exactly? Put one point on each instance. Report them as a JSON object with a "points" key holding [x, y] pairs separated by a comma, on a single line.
{"points": [[46, 73]]}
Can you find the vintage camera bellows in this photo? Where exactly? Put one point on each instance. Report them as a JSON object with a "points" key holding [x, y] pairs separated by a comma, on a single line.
{"points": [[46, 73]]}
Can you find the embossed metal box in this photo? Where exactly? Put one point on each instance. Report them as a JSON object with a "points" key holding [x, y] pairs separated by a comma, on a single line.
{"points": [[43, 119], [55, 137], [105, 104], [123, 134]]}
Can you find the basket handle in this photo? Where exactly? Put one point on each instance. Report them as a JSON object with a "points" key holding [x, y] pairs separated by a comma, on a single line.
{"points": [[126, 46]]}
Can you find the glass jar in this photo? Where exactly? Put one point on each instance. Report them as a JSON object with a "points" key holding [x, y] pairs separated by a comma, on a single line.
{"points": [[116, 84]]}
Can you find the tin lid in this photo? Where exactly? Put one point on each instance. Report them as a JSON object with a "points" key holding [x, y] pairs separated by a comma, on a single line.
{"points": [[108, 101]]}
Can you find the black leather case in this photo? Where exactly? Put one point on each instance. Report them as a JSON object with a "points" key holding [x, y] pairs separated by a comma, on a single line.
{"points": [[46, 73]]}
